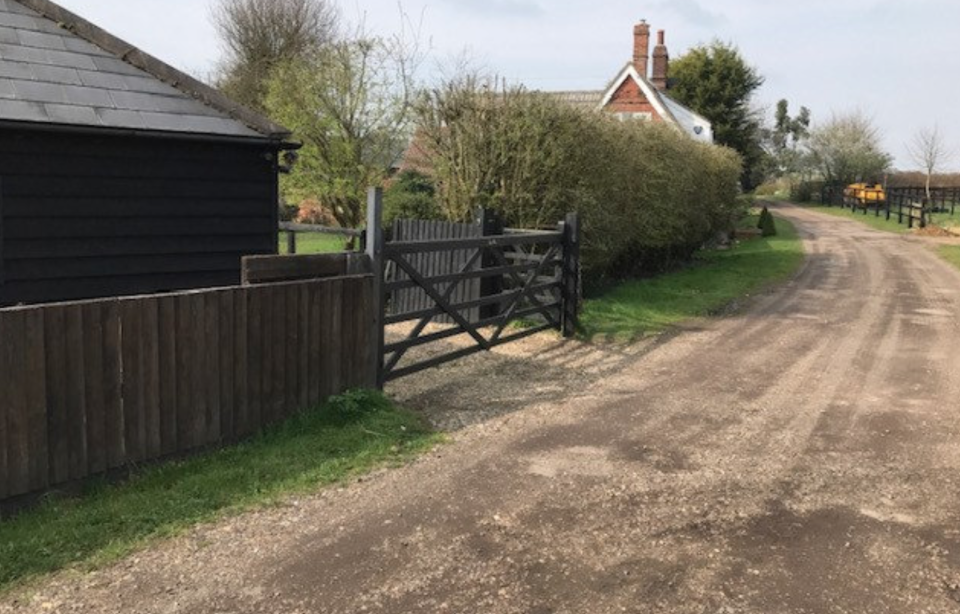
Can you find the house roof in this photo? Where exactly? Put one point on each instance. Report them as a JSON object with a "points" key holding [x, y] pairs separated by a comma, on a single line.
{"points": [[674, 113], [692, 122], [584, 100], [57, 68]]}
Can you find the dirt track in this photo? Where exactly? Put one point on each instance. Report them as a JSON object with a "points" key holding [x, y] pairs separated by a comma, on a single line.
{"points": [[803, 456]]}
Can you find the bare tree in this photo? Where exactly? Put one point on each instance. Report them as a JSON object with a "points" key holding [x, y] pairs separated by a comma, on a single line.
{"points": [[929, 150], [259, 35]]}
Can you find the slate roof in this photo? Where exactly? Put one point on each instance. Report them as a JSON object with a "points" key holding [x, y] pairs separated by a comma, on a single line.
{"points": [[583, 100], [56, 68]]}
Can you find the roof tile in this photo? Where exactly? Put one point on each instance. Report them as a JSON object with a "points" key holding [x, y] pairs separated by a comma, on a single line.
{"points": [[22, 110], [71, 114], [30, 38], [38, 91], [56, 74]]}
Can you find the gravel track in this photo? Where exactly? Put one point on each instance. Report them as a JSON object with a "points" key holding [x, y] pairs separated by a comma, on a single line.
{"points": [[799, 457]]}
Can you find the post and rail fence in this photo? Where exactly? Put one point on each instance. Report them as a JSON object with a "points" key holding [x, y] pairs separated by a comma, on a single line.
{"points": [[909, 205]]}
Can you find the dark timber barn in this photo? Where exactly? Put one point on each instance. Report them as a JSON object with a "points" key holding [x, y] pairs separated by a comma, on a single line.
{"points": [[119, 174]]}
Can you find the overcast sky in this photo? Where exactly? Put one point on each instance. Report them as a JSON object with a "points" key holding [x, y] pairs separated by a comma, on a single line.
{"points": [[897, 61]]}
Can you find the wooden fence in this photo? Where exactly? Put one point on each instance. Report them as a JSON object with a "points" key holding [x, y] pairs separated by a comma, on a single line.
{"points": [[434, 264], [96, 386]]}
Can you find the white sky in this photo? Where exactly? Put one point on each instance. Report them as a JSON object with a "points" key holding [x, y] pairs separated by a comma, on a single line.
{"points": [[898, 61]]}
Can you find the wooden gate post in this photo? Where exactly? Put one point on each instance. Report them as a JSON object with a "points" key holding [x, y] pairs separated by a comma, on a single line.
{"points": [[571, 275], [374, 249], [490, 225]]}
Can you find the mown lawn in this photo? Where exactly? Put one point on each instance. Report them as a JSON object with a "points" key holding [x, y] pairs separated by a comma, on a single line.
{"points": [[642, 307], [315, 243], [349, 435]]}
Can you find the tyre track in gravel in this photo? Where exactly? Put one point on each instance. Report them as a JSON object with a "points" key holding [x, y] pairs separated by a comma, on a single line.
{"points": [[800, 457]]}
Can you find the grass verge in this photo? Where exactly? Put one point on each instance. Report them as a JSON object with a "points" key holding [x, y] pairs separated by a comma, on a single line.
{"points": [[950, 253], [878, 223], [315, 243], [642, 307], [349, 435]]}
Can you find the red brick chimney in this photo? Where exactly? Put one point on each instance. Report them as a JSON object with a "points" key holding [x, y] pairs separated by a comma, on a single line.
{"points": [[641, 47], [661, 62]]}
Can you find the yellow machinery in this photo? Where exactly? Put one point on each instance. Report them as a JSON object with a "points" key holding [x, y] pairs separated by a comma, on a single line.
{"points": [[865, 194]]}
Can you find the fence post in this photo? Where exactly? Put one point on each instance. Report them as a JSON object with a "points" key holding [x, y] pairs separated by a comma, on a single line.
{"points": [[490, 225], [571, 274], [291, 242], [374, 249]]}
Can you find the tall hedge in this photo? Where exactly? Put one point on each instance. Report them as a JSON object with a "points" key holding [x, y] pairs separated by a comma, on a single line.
{"points": [[647, 194]]}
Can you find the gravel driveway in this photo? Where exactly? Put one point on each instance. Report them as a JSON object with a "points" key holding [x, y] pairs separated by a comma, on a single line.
{"points": [[801, 457]]}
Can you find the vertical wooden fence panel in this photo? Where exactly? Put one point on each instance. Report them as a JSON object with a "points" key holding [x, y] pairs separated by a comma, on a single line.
{"points": [[167, 340], [17, 431], [99, 385], [291, 347], [113, 386], [131, 315], [226, 350], [303, 357], [56, 365], [75, 406], [152, 421], [240, 373], [36, 397], [211, 359], [93, 393], [255, 354], [6, 408]]}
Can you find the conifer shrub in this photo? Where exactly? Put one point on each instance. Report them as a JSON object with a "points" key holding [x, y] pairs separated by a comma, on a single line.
{"points": [[767, 225]]}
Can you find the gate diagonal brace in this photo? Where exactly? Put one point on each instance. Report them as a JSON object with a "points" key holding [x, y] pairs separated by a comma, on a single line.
{"points": [[422, 324], [526, 284], [441, 302], [530, 282]]}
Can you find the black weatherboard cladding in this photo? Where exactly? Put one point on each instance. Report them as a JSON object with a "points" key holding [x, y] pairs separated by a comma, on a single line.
{"points": [[88, 215]]}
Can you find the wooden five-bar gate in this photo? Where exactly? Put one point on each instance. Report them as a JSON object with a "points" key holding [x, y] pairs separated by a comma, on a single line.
{"points": [[525, 276]]}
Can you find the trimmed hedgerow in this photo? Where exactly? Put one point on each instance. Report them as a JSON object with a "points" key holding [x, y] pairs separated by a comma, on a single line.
{"points": [[648, 195]]}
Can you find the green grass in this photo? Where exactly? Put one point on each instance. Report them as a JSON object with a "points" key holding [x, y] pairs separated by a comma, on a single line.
{"points": [[879, 223], [349, 435], [642, 307], [945, 219], [315, 243], [950, 253]]}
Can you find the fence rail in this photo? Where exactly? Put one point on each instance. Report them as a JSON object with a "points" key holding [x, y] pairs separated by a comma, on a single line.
{"points": [[97, 386], [291, 230]]}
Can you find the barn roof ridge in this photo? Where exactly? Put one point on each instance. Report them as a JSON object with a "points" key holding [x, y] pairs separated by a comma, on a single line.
{"points": [[134, 111]]}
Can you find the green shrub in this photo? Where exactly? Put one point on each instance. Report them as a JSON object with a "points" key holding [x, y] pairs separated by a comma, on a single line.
{"points": [[647, 194], [411, 196], [767, 225]]}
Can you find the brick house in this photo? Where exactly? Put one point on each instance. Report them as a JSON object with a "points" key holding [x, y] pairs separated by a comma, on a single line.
{"points": [[639, 93]]}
